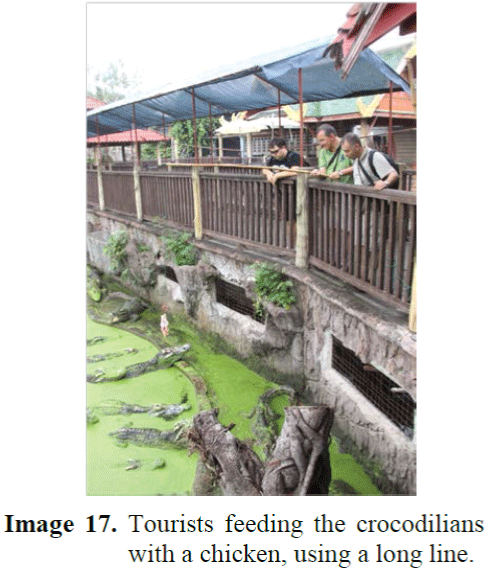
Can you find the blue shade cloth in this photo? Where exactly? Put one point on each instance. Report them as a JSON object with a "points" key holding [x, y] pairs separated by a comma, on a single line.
{"points": [[248, 86]]}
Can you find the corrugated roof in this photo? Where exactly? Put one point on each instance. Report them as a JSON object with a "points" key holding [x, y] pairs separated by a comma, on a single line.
{"points": [[249, 86]]}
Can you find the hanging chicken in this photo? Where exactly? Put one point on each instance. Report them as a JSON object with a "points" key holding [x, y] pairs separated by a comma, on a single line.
{"points": [[164, 321]]}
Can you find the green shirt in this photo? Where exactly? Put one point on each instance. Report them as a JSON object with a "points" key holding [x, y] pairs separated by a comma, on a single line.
{"points": [[339, 163]]}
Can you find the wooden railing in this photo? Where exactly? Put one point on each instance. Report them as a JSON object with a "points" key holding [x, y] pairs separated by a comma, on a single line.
{"points": [[168, 196], [364, 237], [247, 208]]}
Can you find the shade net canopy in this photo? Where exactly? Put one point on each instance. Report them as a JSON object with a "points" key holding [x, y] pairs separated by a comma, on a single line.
{"points": [[249, 85]]}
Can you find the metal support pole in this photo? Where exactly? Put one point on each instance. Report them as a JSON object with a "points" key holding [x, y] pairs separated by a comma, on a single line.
{"points": [[211, 133], [301, 133], [279, 112], [165, 137], [389, 136], [195, 138]]}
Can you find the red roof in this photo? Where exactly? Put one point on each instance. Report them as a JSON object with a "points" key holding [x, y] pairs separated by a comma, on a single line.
{"points": [[128, 137], [93, 103]]}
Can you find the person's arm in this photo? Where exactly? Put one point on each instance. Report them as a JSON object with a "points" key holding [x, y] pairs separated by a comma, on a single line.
{"points": [[342, 172], [282, 174], [386, 181], [319, 171]]}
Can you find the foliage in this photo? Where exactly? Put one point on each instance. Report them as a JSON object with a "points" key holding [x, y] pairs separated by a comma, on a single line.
{"points": [[181, 249], [113, 83], [182, 131], [149, 150], [273, 286], [115, 249]]}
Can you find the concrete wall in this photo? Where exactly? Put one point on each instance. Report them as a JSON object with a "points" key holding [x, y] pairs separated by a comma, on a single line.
{"points": [[297, 342]]}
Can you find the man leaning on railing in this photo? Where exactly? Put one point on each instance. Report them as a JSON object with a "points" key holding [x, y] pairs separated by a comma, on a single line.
{"points": [[370, 167], [281, 158], [332, 162]]}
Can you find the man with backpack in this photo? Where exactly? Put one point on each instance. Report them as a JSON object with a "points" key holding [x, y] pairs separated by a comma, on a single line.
{"points": [[371, 167]]}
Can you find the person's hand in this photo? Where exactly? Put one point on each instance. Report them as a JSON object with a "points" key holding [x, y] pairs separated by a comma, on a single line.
{"points": [[380, 185], [271, 178], [334, 175]]}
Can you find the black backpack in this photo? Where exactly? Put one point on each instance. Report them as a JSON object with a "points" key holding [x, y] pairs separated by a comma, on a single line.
{"points": [[372, 167]]}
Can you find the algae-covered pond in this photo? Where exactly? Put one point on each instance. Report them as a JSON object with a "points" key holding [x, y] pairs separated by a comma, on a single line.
{"points": [[116, 469]]}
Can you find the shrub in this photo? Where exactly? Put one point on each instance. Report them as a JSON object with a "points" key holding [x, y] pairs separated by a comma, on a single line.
{"points": [[179, 247], [115, 249], [273, 286]]}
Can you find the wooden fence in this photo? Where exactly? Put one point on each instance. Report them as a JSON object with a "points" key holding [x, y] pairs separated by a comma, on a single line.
{"points": [[364, 237]]}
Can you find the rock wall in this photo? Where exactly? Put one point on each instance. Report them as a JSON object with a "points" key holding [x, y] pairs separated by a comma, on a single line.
{"points": [[296, 342]]}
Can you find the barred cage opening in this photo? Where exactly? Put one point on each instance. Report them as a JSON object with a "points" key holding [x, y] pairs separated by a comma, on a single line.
{"points": [[169, 272], [234, 297], [397, 405]]}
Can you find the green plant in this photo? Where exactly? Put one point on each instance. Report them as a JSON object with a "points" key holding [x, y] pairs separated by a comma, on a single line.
{"points": [[183, 252], [273, 286], [115, 249]]}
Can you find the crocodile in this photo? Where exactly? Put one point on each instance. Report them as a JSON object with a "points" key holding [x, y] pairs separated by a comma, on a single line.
{"points": [[95, 287], [145, 437], [95, 340], [106, 356], [92, 418], [162, 360], [129, 311], [166, 412]]}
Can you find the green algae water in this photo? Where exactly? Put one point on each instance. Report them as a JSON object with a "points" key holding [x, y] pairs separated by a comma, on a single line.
{"points": [[233, 388]]}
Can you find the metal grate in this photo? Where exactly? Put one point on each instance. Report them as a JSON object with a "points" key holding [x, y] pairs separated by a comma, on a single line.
{"points": [[386, 395], [234, 297]]}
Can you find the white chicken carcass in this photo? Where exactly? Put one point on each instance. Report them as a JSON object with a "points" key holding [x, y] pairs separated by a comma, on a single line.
{"points": [[164, 325]]}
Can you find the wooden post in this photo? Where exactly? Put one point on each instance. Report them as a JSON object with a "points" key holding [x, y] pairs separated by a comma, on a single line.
{"points": [[221, 152], [137, 192], [302, 243], [100, 186], [249, 147], [412, 320], [198, 226], [158, 153], [137, 177]]}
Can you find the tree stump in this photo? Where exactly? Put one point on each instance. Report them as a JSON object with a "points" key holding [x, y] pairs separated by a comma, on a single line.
{"points": [[237, 468], [299, 464]]}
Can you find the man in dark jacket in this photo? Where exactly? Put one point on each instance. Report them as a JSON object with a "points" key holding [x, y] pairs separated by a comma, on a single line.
{"points": [[281, 157]]}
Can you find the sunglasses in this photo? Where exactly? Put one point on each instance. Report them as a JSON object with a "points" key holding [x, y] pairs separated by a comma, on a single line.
{"points": [[274, 151]]}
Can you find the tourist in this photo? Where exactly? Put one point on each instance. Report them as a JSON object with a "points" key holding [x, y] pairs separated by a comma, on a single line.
{"points": [[281, 157], [332, 162], [371, 167]]}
